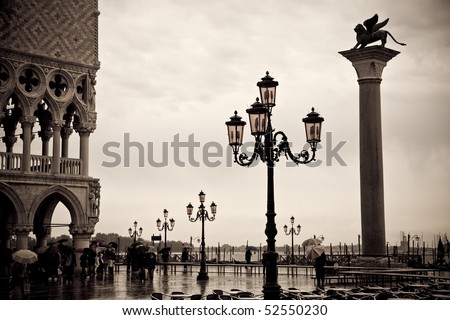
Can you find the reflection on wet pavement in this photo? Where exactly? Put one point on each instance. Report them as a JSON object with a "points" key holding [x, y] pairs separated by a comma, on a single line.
{"points": [[125, 286]]}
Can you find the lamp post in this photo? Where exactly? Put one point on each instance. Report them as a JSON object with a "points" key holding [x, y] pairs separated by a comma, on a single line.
{"points": [[165, 225], [135, 234], [203, 215], [292, 231], [269, 150]]}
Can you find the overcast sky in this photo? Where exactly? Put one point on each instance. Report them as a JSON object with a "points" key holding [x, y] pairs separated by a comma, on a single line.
{"points": [[176, 70]]}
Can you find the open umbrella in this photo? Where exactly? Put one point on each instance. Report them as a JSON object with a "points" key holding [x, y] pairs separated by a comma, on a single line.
{"points": [[311, 242], [41, 249], [315, 252], [113, 244], [25, 256], [165, 249]]}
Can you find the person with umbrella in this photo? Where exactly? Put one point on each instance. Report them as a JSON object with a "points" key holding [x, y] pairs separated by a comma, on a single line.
{"points": [[68, 263], [19, 270], [319, 265], [150, 262], [18, 274]]}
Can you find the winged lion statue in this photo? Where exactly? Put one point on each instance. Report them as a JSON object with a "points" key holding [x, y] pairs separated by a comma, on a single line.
{"points": [[371, 32]]}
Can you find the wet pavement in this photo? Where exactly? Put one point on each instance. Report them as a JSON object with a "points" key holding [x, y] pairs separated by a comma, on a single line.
{"points": [[123, 286]]}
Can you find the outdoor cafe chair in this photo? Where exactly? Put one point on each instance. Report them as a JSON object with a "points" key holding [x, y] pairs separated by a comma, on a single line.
{"points": [[156, 296]]}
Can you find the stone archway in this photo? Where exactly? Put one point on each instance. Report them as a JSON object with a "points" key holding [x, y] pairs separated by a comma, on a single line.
{"points": [[44, 206], [11, 213]]}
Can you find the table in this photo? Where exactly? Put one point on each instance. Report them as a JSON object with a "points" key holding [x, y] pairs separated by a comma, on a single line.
{"points": [[178, 296], [360, 295], [418, 286], [311, 297]]}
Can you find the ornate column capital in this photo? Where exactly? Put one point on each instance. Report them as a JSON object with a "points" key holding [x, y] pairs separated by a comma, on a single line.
{"points": [[9, 140], [369, 62], [45, 135], [57, 124], [81, 230], [22, 229], [66, 132], [25, 120], [85, 129]]}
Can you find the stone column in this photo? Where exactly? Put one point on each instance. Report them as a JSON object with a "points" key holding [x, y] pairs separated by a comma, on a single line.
{"points": [[369, 63], [84, 149], [42, 237], [65, 134], [22, 233], [81, 239], [56, 147], [45, 135], [27, 125]]}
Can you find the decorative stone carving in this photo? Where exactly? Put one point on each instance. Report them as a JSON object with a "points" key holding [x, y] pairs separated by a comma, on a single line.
{"points": [[87, 230], [22, 229], [94, 198], [85, 128]]}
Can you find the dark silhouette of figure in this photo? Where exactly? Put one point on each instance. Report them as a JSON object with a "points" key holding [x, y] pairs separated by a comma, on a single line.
{"points": [[18, 277], [263, 261], [248, 256], [84, 263], [165, 254], [110, 258], [68, 263], [141, 265], [5, 266], [150, 263], [129, 258], [52, 258], [185, 256], [319, 264]]}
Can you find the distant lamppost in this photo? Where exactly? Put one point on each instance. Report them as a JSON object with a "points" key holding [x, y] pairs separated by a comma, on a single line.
{"points": [[165, 225], [135, 234], [292, 231], [203, 215], [269, 150]]}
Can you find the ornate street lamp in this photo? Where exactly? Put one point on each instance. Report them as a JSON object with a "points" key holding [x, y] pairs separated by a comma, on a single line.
{"points": [[269, 146], [135, 234], [203, 215], [292, 231], [165, 225]]}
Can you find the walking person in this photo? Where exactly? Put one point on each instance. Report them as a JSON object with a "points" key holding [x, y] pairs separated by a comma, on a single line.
{"points": [[185, 256], [18, 277], [319, 264], [84, 264], [69, 262], [248, 257], [150, 262], [263, 261]]}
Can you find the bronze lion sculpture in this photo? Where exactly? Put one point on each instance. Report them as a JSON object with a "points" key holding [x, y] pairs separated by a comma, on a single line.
{"points": [[372, 33]]}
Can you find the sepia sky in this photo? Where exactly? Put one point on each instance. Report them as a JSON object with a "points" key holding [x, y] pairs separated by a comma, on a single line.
{"points": [[172, 72]]}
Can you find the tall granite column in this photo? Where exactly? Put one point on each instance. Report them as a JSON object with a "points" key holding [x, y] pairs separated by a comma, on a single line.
{"points": [[369, 63]]}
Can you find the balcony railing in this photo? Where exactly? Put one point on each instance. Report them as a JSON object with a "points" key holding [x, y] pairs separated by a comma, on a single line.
{"points": [[39, 164]]}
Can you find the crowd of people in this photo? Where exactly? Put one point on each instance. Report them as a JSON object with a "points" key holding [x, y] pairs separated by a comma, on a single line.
{"points": [[55, 263]]}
